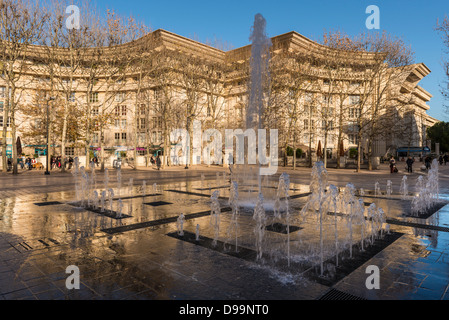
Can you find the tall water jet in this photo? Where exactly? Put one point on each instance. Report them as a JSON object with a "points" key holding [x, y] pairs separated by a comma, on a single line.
{"points": [[332, 197], [120, 208], [259, 230], [103, 200], [233, 202], [258, 94], [119, 180], [110, 195], [282, 206], [215, 216], [317, 202]]}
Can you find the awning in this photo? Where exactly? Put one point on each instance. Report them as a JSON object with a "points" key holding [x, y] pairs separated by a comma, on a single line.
{"points": [[413, 150]]}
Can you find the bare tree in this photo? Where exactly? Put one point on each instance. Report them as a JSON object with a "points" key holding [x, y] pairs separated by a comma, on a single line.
{"points": [[21, 25]]}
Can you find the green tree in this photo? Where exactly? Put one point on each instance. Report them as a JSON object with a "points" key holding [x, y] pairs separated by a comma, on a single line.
{"points": [[439, 133]]}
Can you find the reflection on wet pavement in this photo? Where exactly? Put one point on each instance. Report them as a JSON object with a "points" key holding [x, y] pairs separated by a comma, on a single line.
{"points": [[142, 256]]}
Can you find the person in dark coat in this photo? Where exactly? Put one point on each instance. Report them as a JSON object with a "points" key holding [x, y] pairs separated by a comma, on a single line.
{"points": [[427, 161], [410, 162], [158, 163]]}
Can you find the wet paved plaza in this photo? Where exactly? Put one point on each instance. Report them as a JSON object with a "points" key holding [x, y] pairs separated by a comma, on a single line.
{"points": [[43, 230]]}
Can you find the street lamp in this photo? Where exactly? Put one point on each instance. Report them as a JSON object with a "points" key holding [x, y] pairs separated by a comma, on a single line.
{"points": [[47, 172]]}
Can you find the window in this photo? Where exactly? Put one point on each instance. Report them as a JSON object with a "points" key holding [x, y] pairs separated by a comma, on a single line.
{"points": [[72, 97], [117, 137], [2, 92], [1, 121], [69, 151], [354, 113], [95, 111], [142, 109], [142, 124], [93, 97], [354, 100], [327, 99], [123, 110], [308, 97], [120, 97], [95, 137], [141, 138], [355, 84], [117, 111], [352, 138], [123, 136], [117, 123], [123, 123]]}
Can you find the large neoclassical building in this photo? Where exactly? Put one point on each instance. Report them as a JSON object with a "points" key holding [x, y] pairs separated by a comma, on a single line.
{"points": [[317, 97]]}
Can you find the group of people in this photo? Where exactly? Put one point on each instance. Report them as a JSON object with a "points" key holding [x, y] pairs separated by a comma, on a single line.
{"points": [[410, 161]]}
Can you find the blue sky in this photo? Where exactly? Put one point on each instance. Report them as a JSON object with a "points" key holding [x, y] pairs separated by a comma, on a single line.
{"points": [[231, 20]]}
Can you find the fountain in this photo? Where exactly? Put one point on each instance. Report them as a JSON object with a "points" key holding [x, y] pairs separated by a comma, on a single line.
{"points": [[233, 202], [106, 178], [197, 233], [246, 172], [427, 191], [259, 230], [403, 190], [119, 180], [103, 198], [389, 188], [180, 224], [215, 216], [120, 208], [111, 195], [144, 189], [130, 186], [154, 188], [377, 191]]}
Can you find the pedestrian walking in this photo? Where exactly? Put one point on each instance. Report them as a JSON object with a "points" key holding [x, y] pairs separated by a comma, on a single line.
{"points": [[427, 161], [410, 162], [158, 163]]}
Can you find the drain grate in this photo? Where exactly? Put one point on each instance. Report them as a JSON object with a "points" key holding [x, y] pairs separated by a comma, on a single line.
{"points": [[158, 203], [417, 225], [107, 213], [38, 244], [49, 203], [138, 196], [196, 194], [430, 212], [334, 294], [282, 228], [159, 222], [219, 246], [347, 265]]}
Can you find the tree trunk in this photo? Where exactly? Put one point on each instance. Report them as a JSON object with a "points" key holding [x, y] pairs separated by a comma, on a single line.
{"points": [[370, 153], [5, 130], [294, 153], [325, 149]]}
